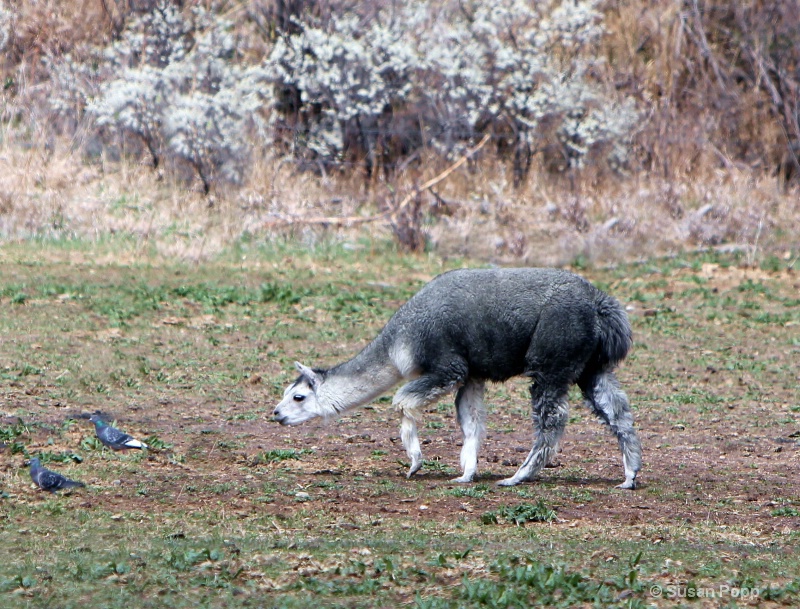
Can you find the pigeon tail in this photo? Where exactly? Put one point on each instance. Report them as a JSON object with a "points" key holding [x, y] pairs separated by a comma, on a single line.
{"points": [[67, 483]]}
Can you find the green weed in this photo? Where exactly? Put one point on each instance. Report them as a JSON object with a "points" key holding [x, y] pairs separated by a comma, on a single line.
{"points": [[520, 514], [478, 491], [91, 443], [527, 583], [11, 432], [786, 510], [64, 457], [439, 467], [280, 454], [156, 443]]}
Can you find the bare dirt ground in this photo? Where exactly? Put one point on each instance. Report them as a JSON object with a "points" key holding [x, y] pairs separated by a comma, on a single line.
{"points": [[719, 472]]}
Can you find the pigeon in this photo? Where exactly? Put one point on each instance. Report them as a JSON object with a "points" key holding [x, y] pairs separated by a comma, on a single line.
{"points": [[50, 481], [113, 437]]}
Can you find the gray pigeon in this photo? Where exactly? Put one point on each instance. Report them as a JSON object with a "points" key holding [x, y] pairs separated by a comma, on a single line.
{"points": [[50, 481], [113, 437]]}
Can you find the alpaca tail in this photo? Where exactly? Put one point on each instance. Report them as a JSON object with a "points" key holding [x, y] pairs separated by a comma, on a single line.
{"points": [[615, 334]]}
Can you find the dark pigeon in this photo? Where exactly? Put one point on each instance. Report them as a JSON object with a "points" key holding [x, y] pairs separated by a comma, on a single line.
{"points": [[50, 481], [113, 437]]}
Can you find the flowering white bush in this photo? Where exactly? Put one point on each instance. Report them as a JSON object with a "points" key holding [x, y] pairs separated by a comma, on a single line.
{"points": [[134, 104], [73, 85], [518, 65], [209, 130], [522, 68], [346, 72], [516, 68], [178, 88], [370, 88], [6, 23], [138, 86]]}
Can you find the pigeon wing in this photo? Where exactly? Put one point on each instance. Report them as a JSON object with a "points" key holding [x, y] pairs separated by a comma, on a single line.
{"points": [[51, 481], [111, 436]]}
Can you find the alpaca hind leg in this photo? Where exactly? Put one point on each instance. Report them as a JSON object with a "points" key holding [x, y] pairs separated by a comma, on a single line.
{"points": [[609, 402], [472, 421], [550, 414]]}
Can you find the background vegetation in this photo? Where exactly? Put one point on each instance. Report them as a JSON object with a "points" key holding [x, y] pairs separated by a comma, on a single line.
{"points": [[616, 128]]}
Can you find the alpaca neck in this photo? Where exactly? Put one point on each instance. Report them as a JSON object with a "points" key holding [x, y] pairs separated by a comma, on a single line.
{"points": [[358, 381]]}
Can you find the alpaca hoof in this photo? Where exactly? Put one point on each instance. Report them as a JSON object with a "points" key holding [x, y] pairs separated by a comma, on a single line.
{"points": [[462, 479], [415, 467], [628, 485]]}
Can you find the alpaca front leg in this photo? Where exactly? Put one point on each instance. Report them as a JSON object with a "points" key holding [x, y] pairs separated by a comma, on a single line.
{"points": [[472, 421], [411, 399], [410, 438]]}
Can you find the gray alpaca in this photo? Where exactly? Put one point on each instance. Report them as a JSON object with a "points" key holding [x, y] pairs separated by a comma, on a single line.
{"points": [[470, 326]]}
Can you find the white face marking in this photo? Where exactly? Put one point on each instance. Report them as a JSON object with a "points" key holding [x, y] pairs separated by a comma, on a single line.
{"points": [[299, 404]]}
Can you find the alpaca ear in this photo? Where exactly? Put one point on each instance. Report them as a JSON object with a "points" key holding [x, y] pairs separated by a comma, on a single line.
{"points": [[312, 377]]}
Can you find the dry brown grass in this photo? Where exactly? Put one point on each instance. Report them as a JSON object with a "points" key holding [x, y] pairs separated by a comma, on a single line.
{"points": [[475, 213], [550, 221], [52, 27], [720, 78]]}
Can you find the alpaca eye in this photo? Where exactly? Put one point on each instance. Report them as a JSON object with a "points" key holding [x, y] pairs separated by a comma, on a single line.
{"points": [[298, 397]]}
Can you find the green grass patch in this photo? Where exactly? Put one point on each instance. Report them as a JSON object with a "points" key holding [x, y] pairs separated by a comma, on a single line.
{"points": [[521, 583]]}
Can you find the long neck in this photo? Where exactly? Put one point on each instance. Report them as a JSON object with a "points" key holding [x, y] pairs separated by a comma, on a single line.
{"points": [[360, 380]]}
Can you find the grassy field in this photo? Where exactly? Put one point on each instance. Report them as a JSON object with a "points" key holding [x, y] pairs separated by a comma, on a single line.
{"points": [[228, 509]]}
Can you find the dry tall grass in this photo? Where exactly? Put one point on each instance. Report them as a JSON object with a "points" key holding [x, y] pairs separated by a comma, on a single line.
{"points": [[476, 213]]}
